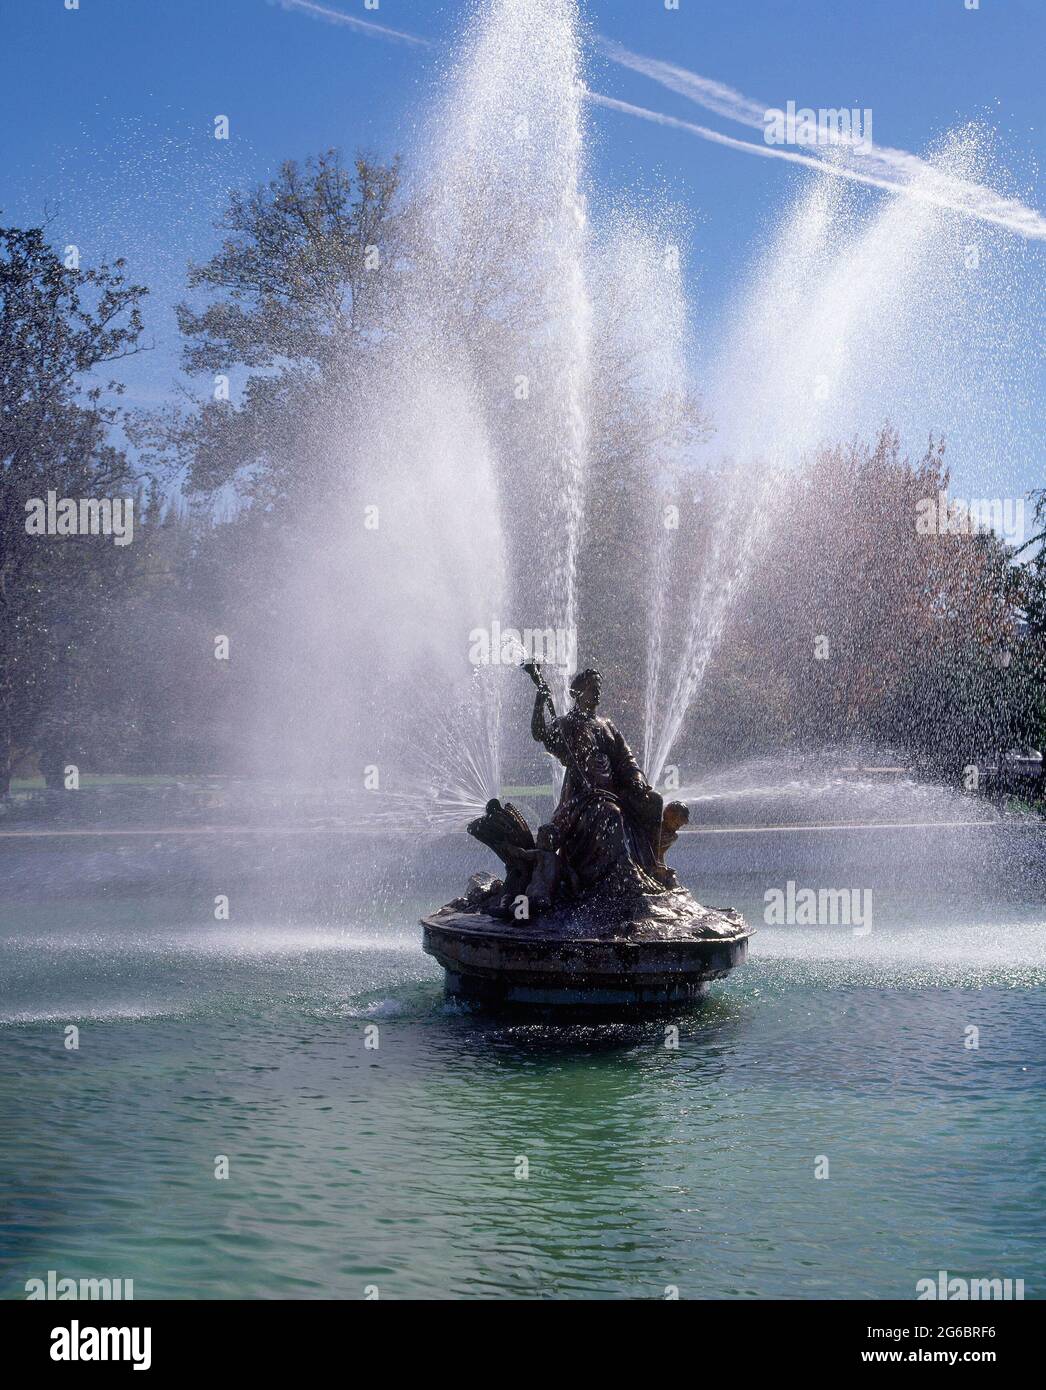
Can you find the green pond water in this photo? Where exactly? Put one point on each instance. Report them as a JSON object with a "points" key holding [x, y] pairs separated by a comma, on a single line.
{"points": [[649, 1167]]}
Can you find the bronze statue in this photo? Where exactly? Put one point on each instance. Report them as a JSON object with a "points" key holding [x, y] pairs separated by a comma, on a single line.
{"points": [[587, 914], [608, 814], [608, 831]]}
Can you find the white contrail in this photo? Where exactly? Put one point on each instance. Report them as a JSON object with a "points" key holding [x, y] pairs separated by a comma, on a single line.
{"points": [[715, 96], [1015, 218], [363, 26], [894, 170]]}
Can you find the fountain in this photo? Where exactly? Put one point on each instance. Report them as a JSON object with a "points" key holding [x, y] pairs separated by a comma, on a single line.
{"points": [[588, 913], [524, 429]]}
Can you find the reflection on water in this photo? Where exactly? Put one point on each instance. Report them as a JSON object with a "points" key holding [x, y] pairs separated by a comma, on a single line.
{"points": [[649, 1166]]}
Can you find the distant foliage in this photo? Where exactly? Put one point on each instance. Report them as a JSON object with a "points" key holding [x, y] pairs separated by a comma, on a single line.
{"points": [[851, 626], [856, 626]]}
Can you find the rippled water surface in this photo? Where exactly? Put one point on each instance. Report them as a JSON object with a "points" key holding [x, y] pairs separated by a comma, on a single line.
{"points": [[649, 1166]]}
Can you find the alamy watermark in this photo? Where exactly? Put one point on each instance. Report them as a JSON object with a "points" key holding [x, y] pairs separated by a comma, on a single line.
{"points": [[498, 646], [81, 516], [954, 1288], [971, 516], [828, 125], [819, 907], [57, 1287], [77, 1342]]}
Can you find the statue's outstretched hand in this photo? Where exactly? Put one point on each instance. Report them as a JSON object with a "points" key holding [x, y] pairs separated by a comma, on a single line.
{"points": [[533, 670]]}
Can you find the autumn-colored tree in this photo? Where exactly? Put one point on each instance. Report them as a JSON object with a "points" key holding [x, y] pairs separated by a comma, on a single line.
{"points": [[860, 623]]}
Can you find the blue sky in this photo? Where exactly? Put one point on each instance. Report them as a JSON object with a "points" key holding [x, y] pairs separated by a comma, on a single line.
{"points": [[107, 110]]}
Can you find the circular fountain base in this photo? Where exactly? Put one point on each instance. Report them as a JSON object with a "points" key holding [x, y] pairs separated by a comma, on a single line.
{"points": [[561, 961]]}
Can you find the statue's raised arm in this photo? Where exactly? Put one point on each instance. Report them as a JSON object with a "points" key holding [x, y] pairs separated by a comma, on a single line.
{"points": [[544, 730]]}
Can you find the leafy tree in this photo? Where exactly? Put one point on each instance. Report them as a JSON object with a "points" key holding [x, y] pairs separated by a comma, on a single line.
{"points": [[857, 626], [1029, 593], [295, 293], [58, 326]]}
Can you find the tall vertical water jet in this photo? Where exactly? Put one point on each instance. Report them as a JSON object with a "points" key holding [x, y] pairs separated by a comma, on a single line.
{"points": [[859, 312], [464, 443], [506, 237], [645, 420], [532, 367]]}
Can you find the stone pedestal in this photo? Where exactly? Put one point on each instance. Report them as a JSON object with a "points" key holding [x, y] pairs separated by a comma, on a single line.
{"points": [[663, 955]]}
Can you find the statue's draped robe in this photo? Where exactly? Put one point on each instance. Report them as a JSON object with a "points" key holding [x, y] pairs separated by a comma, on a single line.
{"points": [[608, 814]]}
